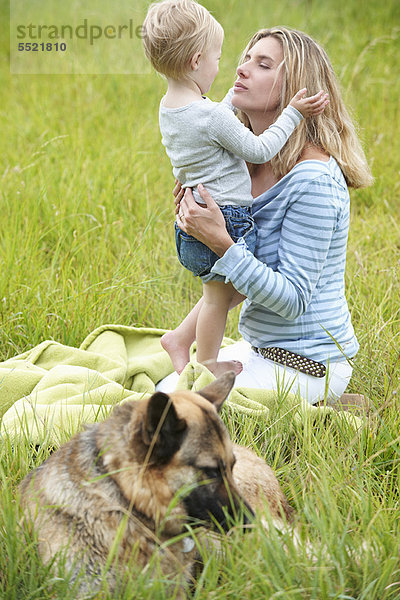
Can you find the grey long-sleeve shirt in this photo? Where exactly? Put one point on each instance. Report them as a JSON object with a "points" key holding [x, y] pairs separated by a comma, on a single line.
{"points": [[207, 144]]}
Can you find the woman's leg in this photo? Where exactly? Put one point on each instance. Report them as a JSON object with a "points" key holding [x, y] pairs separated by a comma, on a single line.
{"points": [[259, 372], [211, 321]]}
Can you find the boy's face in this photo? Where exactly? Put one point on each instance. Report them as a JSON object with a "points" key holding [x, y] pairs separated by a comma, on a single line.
{"points": [[208, 65]]}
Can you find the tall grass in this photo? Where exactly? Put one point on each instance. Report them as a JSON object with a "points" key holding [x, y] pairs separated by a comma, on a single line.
{"points": [[87, 238]]}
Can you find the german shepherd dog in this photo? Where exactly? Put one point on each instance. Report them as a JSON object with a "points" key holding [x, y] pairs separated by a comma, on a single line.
{"points": [[127, 486]]}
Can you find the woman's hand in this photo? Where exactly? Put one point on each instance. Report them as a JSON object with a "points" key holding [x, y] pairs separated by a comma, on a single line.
{"points": [[205, 223], [178, 192]]}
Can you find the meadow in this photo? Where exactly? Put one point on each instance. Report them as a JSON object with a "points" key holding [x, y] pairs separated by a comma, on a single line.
{"points": [[86, 238]]}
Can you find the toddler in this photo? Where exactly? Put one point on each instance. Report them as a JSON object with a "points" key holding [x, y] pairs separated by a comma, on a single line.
{"points": [[207, 144]]}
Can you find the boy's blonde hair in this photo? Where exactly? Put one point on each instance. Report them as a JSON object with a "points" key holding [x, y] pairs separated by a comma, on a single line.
{"points": [[174, 31], [306, 64]]}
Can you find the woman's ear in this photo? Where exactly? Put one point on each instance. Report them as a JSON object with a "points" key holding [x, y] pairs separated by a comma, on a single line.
{"points": [[195, 61]]}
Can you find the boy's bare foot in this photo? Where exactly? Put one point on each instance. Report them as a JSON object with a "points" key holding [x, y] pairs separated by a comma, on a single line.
{"points": [[220, 367], [178, 353]]}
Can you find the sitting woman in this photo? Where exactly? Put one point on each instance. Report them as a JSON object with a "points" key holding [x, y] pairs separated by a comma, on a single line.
{"points": [[295, 322]]}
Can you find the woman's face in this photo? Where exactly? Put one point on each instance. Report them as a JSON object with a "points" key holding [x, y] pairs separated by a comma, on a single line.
{"points": [[259, 83]]}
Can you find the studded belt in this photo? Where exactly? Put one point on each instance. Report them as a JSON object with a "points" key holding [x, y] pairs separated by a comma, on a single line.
{"points": [[293, 360]]}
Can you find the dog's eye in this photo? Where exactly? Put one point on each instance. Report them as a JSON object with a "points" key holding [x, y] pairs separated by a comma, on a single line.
{"points": [[212, 472]]}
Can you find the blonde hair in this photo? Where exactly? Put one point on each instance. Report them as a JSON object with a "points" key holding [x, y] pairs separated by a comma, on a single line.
{"points": [[306, 64], [174, 31]]}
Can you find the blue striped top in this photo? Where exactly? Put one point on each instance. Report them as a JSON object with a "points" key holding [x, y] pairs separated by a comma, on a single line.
{"points": [[295, 281]]}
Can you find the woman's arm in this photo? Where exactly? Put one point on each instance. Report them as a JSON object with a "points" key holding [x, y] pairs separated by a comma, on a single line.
{"points": [[306, 233], [310, 219]]}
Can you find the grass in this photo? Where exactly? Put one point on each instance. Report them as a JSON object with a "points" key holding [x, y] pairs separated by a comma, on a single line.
{"points": [[86, 239]]}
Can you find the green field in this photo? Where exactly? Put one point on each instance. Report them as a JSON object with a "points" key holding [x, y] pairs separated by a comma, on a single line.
{"points": [[86, 238]]}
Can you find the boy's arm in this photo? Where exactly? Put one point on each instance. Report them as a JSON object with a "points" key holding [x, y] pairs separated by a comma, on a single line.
{"points": [[227, 101], [227, 131]]}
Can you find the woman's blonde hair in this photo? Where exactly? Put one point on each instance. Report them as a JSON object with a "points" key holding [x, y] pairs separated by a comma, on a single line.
{"points": [[306, 65], [174, 31]]}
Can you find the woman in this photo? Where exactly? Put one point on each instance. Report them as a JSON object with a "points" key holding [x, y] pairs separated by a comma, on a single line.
{"points": [[295, 319]]}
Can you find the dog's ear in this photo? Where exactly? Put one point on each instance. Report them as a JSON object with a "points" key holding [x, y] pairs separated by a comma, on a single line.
{"points": [[217, 391], [162, 426]]}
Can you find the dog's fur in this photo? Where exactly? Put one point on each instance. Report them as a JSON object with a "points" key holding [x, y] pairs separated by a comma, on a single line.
{"points": [[131, 483]]}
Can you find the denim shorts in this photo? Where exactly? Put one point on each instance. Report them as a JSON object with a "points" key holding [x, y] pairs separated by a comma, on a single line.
{"points": [[199, 259]]}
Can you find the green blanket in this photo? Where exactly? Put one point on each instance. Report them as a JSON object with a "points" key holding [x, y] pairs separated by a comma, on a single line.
{"points": [[49, 391]]}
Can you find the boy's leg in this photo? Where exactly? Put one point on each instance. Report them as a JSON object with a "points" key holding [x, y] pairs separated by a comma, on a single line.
{"points": [[211, 321], [178, 341]]}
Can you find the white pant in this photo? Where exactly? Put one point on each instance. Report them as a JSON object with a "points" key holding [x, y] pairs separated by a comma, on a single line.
{"points": [[259, 372]]}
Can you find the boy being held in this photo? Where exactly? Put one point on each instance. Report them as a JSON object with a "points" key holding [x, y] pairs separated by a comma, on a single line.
{"points": [[208, 145]]}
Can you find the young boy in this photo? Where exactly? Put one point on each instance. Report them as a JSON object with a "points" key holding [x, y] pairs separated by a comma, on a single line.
{"points": [[207, 144]]}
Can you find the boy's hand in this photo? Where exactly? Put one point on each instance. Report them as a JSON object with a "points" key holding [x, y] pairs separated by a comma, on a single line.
{"points": [[310, 106]]}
